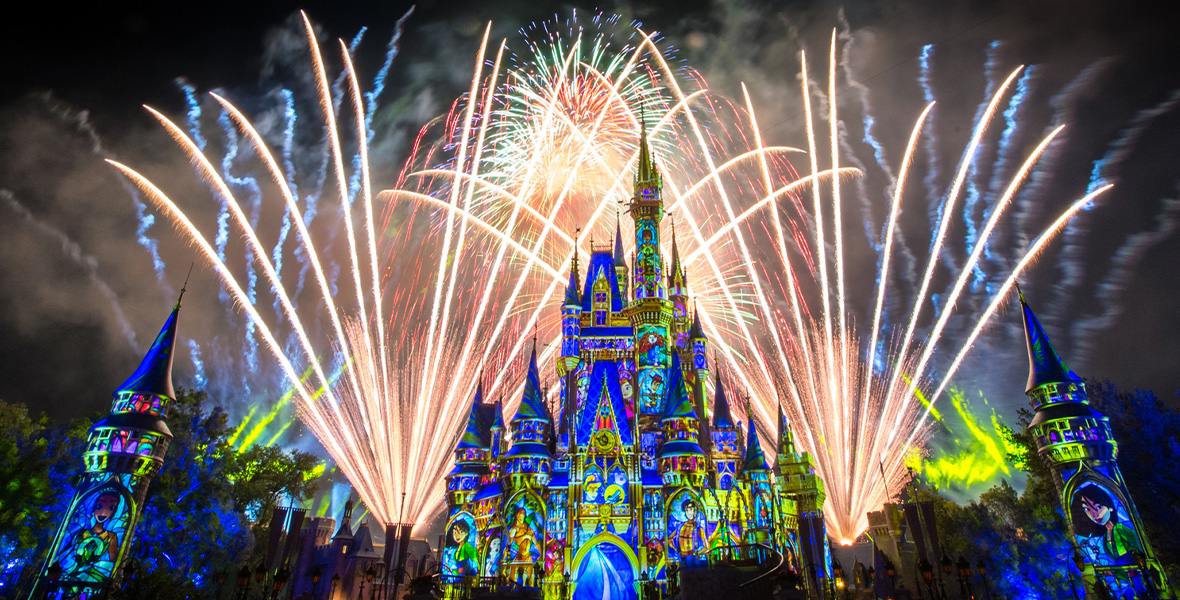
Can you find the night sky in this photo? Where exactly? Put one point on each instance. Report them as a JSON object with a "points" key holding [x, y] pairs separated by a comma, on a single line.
{"points": [[70, 261]]}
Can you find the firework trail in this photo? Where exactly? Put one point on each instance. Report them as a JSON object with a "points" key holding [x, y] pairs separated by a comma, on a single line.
{"points": [[480, 223]]}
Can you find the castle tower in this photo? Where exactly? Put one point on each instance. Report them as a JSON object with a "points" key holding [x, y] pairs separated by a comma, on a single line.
{"points": [[527, 466], [650, 312], [567, 366], [472, 454], [499, 440], [726, 440], [757, 480], [678, 294], [1077, 444], [124, 452], [798, 482], [699, 345], [620, 259]]}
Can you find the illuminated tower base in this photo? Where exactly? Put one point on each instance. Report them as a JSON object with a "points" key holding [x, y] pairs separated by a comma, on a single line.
{"points": [[1077, 444], [124, 452]]}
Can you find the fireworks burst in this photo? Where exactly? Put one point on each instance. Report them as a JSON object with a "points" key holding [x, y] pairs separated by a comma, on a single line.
{"points": [[461, 262]]}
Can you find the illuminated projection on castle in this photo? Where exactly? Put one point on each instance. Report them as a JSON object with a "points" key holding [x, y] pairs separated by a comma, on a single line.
{"points": [[632, 478]]}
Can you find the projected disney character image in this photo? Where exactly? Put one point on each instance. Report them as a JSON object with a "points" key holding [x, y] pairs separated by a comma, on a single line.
{"points": [[93, 547], [459, 557], [687, 538], [1104, 530]]}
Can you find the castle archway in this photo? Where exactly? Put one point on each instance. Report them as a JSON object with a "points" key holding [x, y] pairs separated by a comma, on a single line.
{"points": [[605, 569]]}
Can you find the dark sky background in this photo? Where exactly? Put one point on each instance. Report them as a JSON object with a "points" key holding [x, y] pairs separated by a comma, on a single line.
{"points": [[74, 82]]}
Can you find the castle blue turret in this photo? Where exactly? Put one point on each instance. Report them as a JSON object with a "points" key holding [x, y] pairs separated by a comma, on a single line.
{"points": [[1076, 442], [124, 452]]}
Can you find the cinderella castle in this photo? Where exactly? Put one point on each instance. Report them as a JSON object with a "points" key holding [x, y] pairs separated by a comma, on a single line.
{"points": [[639, 477]]}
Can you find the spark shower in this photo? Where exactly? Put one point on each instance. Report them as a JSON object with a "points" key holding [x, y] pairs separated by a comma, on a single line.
{"points": [[448, 274]]}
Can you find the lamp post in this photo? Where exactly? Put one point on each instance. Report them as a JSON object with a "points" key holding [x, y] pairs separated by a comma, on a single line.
{"points": [[280, 580], [965, 576], [838, 578], [260, 576], [369, 575], [982, 568], [927, 571], [335, 582], [243, 581], [946, 564]]}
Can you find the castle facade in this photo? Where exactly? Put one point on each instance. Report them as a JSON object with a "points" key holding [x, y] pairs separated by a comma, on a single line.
{"points": [[638, 474]]}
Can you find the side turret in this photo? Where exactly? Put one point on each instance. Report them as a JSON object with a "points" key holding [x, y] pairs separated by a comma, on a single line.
{"points": [[620, 258], [756, 477], [681, 459], [798, 479], [528, 461], [725, 440], [124, 452], [1076, 442], [678, 294], [472, 453]]}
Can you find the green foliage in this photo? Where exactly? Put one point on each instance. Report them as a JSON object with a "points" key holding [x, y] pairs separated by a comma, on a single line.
{"points": [[261, 476], [203, 513], [37, 464], [1024, 536]]}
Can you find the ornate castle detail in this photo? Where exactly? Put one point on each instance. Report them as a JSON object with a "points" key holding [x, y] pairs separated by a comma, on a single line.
{"points": [[1076, 442], [123, 453], [631, 479]]}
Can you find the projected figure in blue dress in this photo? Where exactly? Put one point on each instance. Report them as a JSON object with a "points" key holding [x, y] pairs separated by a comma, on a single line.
{"points": [[605, 574]]}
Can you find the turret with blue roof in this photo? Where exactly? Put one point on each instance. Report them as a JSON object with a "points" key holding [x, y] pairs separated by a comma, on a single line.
{"points": [[679, 420], [531, 426]]}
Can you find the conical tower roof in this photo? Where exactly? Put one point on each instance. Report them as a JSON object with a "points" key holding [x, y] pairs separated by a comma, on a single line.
{"points": [[1044, 364], [532, 403], [721, 413], [755, 459], [154, 375], [620, 257], [677, 402], [344, 532], [475, 433], [697, 332], [676, 278], [786, 439], [572, 297], [647, 175], [498, 415]]}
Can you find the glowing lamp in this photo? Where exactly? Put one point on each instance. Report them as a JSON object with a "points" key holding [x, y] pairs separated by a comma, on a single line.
{"points": [[370, 573], [982, 568], [281, 579], [837, 570], [315, 576], [964, 567], [259, 572], [244, 576], [946, 564], [335, 580], [927, 570]]}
